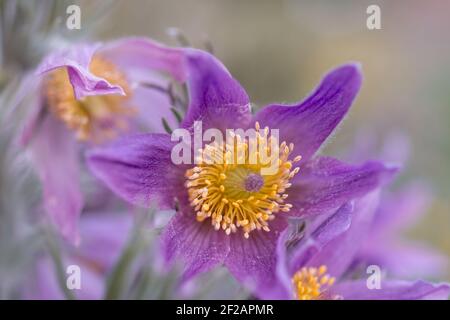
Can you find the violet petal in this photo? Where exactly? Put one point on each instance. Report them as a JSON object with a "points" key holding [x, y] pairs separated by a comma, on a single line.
{"points": [[307, 124], [139, 169], [55, 155]]}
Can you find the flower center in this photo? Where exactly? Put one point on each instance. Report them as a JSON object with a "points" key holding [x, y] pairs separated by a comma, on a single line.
{"points": [[311, 283], [253, 182], [95, 118], [232, 191]]}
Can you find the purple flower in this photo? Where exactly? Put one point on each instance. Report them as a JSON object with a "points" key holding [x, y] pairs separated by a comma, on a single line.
{"points": [[88, 94], [315, 264], [103, 238], [399, 210], [232, 214], [384, 245]]}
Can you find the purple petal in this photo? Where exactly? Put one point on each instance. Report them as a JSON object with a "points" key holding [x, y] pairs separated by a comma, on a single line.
{"points": [[324, 184], [309, 123], [328, 231], [339, 253], [141, 53], [153, 105], [55, 156], [197, 245], [401, 210], [405, 261], [29, 88], [44, 284], [396, 148], [31, 123], [143, 61], [284, 276], [216, 98], [293, 252], [77, 60], [139, 169], [253, 261], [103, 236], [392, 290]]}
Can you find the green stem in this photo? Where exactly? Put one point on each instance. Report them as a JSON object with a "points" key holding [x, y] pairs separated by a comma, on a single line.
{"points": [[118, 278], [59, 265]]}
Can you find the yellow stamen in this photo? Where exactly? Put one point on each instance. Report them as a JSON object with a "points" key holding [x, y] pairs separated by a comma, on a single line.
{"points": [[229, 189], [311, 283], [94, 118]]}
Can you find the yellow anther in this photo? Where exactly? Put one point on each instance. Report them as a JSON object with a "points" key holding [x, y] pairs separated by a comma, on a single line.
{"points": [[311, 283]]}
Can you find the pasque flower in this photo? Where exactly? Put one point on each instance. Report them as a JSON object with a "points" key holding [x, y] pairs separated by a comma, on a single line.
{"points": [[84, 95], [400, 209], [316, 262], [229, 213], [385, 244]]}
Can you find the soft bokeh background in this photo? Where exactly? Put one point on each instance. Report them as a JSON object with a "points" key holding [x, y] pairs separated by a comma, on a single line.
{"points": [[279, 49]]}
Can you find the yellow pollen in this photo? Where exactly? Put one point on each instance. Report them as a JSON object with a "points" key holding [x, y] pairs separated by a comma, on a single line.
{"points": [[95, 118], [228, 188], [311, 283]]}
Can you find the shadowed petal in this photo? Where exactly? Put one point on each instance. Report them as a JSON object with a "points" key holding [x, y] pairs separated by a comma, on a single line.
{"points": [[294, 249], [309, 123], [197, 245], [55, 154], [134, 54], [284, 277], [153, 105], [339, 253], [392, 290], [138, 168], [324, 184], [327, 232], [253, 261], [143, 61], [77, 60]]}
